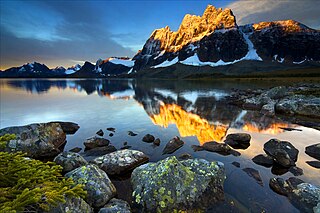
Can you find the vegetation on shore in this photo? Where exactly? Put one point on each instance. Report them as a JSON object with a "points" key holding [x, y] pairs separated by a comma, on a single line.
{"points": [[28, 185]]}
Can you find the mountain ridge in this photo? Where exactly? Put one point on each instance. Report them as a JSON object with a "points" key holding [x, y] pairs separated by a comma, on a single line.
{"points": [[213, 39]]}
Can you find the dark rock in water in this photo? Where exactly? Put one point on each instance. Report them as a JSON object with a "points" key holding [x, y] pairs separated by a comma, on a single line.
{"points": [[71, 205], [185, 156], [290, 129], [315, 164], [42, 140], [75, 149], [68, 127], [115, 206], [96, 182], [254, 174], [100, 133], [296, 171], [263, 160], [236, 164], [282, 187], [125, 143], [278, 169], [283, 158], [111, 134], [130, 133], [281, 151], [126, 147], [306, 197], [173, 145], [98, 151], [148, 138], [157, 142], [111, 129], [219, 148], [94, 142], [197, 148], [120, 162], [314, 125], [278, 186], [69, 161], [238, 140], [313, 151], [171, 184]]}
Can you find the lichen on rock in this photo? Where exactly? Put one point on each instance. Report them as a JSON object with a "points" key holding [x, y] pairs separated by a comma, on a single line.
{"points": [[170, 185]]}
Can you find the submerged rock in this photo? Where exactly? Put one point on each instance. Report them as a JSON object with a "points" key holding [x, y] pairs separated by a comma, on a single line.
{"points": [[115, 206], [236, 164], [42, 140], [157, 142], [254, 174], [100, 133], [121, 161], [130, 133], [315, 164], [96, 182], [94, 142], [173, 145], [75, 149], [69, 161], [313, 151], [263, 160], [98, 151], [72, 205], [185, 156], [283, 152], [170, 185], [148, 138]]}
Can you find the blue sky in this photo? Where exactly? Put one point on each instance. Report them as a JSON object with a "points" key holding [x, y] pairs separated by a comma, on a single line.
{"points": [[69, 32]]}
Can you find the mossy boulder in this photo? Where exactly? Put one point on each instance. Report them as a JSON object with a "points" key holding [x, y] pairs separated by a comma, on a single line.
{"points": [[116, 205], [41, 140], [70, 161], [72, 205], [96, 182], [120, 162], [170, 185]]}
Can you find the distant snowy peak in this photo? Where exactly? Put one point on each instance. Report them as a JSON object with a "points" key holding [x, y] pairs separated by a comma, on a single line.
{"points": [[73, 69]]}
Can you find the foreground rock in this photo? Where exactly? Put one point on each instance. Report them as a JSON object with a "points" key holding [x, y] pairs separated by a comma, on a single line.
{"points": [[94, 142], [170, 185], [98, 151], [315, 164], [68, 127], [121, 161], [42, 140], [304, 196], [115, 206], [72, 205], [283, 152], [313, 151], [70, 161], [238, 140], [173, 145], [96, 182]]}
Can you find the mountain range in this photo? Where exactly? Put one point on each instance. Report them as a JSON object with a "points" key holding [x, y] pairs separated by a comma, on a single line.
{"points": [[207, 45]]}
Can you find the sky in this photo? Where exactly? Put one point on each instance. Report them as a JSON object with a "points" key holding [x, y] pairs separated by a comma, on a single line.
{"points": [[64, 33]]}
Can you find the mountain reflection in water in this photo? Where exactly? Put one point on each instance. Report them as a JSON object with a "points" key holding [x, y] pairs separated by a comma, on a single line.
{"points": [[196, 111]]}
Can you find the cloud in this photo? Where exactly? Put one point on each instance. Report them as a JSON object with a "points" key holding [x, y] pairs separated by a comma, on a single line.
{"points": [[304, 11], [67, 33]]}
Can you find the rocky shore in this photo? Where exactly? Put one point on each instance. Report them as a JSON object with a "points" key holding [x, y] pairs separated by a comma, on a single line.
{"points": [[174, 183]]}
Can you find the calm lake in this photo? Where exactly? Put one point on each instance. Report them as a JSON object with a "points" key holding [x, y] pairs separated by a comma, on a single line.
{"points": [[193, 110]]}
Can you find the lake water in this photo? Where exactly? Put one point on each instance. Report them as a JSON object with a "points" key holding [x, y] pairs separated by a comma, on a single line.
{"points": [[194, 111]]}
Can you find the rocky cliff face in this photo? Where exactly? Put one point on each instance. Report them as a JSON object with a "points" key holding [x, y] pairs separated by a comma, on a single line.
{"points": [[215, 39]]}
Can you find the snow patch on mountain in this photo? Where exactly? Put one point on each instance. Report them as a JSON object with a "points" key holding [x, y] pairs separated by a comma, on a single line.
{"points": [[167, 63], [252, 52], [127, 63]]}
